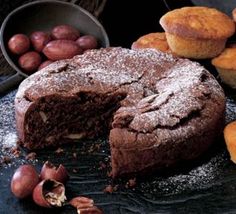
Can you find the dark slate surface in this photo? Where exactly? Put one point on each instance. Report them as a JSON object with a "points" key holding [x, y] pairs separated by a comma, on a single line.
{"points": [[207, 185]]}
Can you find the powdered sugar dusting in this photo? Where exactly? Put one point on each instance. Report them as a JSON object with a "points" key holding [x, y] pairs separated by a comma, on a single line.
{"points": [[186, 94], [113, 67], [9, 139], [8, 135], [198, 178]]}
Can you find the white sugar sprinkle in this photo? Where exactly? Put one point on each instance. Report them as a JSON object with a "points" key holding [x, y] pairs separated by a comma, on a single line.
{"points": [[9, 140]]}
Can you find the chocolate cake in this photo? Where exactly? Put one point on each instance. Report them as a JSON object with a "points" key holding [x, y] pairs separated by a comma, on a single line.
{"points": [[156, 109]]}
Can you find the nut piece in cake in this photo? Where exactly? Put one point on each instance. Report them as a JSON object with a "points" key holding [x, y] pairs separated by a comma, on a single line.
{"points": [[225, 64], [230, 139], [197, 32], [152, 40]]}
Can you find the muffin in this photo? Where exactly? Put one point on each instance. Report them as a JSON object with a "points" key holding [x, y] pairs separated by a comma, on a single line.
{"points": [[234, 14], [230, 140], [225, 64], [197, 32], [152, 40]]}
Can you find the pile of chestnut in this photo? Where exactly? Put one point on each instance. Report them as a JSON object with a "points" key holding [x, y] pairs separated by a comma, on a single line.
{"points": [[47, 188], [42, 48]]}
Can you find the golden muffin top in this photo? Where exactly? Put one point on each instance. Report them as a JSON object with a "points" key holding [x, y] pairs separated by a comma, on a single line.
{"points": [[152, 40], [234, 14], [198, 22], [226, 60]]}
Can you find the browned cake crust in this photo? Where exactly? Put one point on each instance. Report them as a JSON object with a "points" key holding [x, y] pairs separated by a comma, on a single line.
{"points": [[198, 22], [159, 109]]}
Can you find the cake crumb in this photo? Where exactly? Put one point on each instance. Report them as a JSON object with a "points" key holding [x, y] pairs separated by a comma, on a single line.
{"points": [[74, 155], [59, 151], [74, 170], [102, 165], [6, 160], [31, 156], [109, 174], [131, 183], [15, 151], [94, 148], [110, 188]]}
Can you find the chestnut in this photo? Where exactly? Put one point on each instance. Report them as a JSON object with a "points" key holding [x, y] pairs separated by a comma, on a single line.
{"points": [[19, 44], [49, 193], [45, 64], [49, 171], [87, 42], [30, 61], [39, 39], [24, 181], [65, 32]]}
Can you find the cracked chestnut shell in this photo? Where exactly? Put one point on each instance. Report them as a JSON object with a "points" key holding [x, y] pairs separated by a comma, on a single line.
{"points": [[24, 181], [81, 202], [49, 193], [49, 171], [89, 210], [84, 205]]}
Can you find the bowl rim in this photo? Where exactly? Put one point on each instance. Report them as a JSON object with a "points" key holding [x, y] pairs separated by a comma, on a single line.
{"points": [[8, 17]]}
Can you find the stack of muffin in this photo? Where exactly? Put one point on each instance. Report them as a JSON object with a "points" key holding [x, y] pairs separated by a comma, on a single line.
{"points": [[197, 33]]}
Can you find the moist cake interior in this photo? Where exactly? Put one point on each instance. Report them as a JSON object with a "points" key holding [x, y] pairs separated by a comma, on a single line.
{"points": [[62, 119]]}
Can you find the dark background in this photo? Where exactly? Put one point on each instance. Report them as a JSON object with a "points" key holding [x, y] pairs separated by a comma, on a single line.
{"points": [[123, 20]]}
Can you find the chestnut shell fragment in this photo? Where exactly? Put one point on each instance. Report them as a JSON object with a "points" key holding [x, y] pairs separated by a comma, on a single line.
{"points": [[49, 193], [84, 205], [49, 171], [81, 202], [89, 210]]}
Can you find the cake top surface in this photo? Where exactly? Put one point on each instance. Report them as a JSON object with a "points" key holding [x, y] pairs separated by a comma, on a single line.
{"points": [[152, 40], [101, 69], [226, 59], [109, 69], [198, 22]]}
